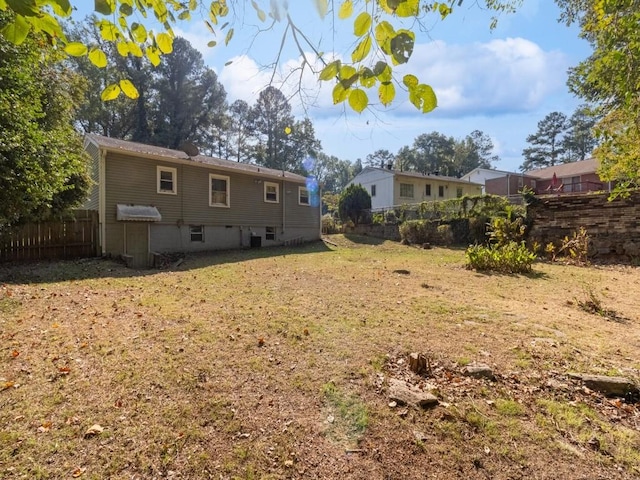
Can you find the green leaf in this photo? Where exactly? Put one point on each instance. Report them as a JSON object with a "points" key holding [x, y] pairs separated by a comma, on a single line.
{"points": [[111, 92], [423, 97], [362, 24], [346, 10], [61, 8], [410, 81], [384, 32], [386, 93], [212, 43], [16, 32], [47, 24], [76, 49], [135, 49], [322, 6], [386, 75], [330, 71], [339, 94], [261, 15], [129, 89], [105, 7], [358, 100], [123, 49], [348, 76], [367, 77], [125, 9], [402, 47], [139, 32], [165, 42], [229, 36], [98, 58], [108, 30], [26, 8], [362, 50], [379, 68], [408, 8], [185, 15], [153, 55]]}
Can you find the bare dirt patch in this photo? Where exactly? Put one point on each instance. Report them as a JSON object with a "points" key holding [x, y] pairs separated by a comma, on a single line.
{"points": [[275, 363]]}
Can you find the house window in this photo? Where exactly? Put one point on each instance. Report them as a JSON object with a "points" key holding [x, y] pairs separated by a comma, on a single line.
{"points": [[219, 191], [303, 196], [271, 192], [167, 177], [270, 233], [197, 233], [427, 190], [373, 190], [406, 190], [458, 192], [441, 190]]}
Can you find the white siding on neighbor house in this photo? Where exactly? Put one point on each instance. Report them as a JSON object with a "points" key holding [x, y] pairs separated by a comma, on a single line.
{"points": [[481, 175], [383, 180]]}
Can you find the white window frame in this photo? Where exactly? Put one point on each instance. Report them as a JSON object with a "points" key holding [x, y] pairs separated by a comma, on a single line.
{"points": [[196, 230], [269, 233], [373, 190], [300, 202], [174, 180], [411, 187], [272, 184], [227, 179]]}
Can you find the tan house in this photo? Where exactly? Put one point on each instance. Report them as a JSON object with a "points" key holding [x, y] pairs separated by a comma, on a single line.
{"points": [[152, 199], [389, 188]]}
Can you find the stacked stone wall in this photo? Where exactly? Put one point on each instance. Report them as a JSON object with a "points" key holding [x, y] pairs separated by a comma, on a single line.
{"points": [[613, 226]]}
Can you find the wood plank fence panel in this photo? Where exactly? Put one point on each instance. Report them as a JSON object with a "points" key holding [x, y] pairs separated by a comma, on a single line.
{"points": [[74, 238]]}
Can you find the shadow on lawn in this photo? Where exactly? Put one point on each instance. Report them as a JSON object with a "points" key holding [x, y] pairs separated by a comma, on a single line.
{"points": [[364, 239], [87, 268]]}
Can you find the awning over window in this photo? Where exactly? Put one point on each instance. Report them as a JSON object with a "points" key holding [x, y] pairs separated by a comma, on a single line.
{"points": [[138, 213]]}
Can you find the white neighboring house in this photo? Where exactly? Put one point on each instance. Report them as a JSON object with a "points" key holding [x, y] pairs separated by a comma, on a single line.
{"points": [[389, 188], [481, 175]]}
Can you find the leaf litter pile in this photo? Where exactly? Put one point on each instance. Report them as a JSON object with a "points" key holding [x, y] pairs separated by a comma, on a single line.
{"points": [[279, 363]]}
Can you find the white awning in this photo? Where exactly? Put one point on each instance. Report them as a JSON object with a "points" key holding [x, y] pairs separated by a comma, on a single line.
{"points": [[138, 213]]}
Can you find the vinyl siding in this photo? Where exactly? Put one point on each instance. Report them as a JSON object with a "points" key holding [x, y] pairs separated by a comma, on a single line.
{"points": [[132, 180], [93, 200]]}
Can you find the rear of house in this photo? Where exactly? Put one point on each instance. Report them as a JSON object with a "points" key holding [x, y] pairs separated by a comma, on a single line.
{"points": [[152, 199], [390, 188]]}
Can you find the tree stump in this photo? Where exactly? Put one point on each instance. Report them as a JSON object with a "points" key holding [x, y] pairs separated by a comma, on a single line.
{"points": [[418, 363]]}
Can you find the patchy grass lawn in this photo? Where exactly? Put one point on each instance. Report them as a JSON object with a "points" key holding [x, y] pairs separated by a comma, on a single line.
{"points": [[273, 364]]}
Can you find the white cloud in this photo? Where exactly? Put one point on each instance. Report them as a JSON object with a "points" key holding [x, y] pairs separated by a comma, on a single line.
{"points": [[496, 77]]}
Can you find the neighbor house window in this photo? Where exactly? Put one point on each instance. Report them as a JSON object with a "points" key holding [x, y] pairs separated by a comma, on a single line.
{"points": [[373, 190], [270, 233], [271, 192], [197, 233], [167, 180], [219, 190], [303, 196], [441, 190], [406, 190], [427, 190], [458, 192]]}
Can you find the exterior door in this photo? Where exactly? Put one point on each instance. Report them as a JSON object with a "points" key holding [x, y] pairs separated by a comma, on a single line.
{"points": [[137, 243]]}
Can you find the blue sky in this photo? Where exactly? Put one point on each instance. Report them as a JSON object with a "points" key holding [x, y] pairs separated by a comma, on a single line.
{"points": [[502, 82]]}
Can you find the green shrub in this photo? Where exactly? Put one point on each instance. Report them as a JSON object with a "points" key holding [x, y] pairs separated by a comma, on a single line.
{"points": [[505, 230], [478, 229], [445, 235], [419, 231], [329, 224], [512, 257], [460, 231], [377, 219]]}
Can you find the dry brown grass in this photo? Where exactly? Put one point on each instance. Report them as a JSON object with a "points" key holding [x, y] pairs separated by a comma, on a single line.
{"points": [[272, 364]]}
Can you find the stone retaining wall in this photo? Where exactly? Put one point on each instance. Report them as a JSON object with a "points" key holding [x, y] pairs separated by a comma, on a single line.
{"points": [[613, 226]]}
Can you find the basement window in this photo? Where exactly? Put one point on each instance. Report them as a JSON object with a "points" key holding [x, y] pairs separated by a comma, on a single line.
{"points": [[197, 233], [270, 233]]}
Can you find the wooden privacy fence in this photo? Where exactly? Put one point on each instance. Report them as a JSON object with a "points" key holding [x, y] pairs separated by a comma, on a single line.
{"points": [[64, 239]]}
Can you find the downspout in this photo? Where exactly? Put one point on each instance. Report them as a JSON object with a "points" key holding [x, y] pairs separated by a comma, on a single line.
{"points": [[102, 200], [508, 185], [284, 210]]}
